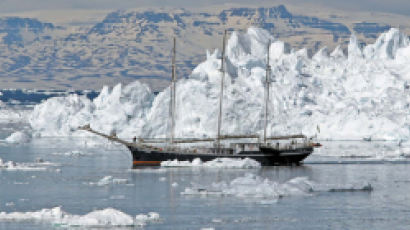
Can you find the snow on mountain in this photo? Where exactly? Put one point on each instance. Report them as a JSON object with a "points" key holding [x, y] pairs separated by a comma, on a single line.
{"points": [[363, 95], [19, 31]]}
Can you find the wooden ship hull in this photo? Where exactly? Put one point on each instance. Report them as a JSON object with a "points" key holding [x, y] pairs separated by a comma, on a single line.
{"points": [[146, 157], [144, 153]]}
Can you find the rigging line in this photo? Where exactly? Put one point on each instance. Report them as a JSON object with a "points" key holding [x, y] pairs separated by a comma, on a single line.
{"points": [[221, 92], [267, 85], [173, 92]]}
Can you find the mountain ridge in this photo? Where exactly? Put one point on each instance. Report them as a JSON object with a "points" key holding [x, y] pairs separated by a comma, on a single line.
{"points": [[129, 45]]}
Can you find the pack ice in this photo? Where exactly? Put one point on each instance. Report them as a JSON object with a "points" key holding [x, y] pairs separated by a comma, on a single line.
{"points": [[364, 94]]}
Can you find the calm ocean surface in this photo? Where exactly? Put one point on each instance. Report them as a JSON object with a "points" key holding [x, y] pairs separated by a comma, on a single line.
{"points": [[70, 181]]}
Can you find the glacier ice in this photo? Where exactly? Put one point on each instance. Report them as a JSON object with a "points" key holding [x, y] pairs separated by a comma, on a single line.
{"points": [[362, 94]]}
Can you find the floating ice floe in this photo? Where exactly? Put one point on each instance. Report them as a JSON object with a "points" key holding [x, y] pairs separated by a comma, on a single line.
{"points": [[174, 184], [8, 204], [18, 137], [108, 180], [264, 189], [73, 153], [108, 217], [143, 219], [216, 163], [14, 166], [253, 186]]}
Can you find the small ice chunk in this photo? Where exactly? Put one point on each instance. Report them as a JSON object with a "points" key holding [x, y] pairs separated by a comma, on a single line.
{"points": [[18, 137], [73, 153], [8, 204], [217, 220], [107, 180], [13, 166], [119, 181], [105, 217], [143, 219]]}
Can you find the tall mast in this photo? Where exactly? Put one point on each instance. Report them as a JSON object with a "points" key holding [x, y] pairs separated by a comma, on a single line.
{"points": [[221, 95], [173, 95], [267, 83]]}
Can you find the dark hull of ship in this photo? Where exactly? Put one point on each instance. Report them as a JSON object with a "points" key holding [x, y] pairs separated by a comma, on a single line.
{"points": [[265, 156]]}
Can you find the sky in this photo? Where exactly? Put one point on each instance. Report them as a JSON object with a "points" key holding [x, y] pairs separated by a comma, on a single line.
{"points": [[11, 6]]}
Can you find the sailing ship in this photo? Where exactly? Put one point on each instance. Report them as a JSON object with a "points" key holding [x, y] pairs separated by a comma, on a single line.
{"points": [[275, 150]]}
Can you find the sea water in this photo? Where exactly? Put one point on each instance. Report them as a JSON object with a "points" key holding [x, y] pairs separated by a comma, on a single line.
{"points": [[69, 182], [83, 175]]}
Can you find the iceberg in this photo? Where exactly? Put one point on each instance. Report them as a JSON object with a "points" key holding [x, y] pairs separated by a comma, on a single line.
{"points": [[362, 94]]}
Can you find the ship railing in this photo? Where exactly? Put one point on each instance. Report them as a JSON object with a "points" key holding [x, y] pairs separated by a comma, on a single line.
{"points": [[146, 142], [223, 137], [292, 145]]}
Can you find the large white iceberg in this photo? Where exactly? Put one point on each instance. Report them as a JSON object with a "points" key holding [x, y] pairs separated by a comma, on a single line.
{"points": [[365, 94]]}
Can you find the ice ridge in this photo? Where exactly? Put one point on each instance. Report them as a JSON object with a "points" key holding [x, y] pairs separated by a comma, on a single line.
{"points": [[363, 93]]}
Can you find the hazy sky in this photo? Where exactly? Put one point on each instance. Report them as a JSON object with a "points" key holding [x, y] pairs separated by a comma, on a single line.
{"points": [[10, 6]]}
